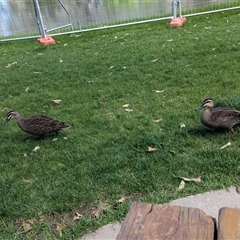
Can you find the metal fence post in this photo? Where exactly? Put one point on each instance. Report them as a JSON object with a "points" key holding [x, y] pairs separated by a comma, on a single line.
{"points": [[44, 39], [41, 27], [174, 8], [177, 21]]}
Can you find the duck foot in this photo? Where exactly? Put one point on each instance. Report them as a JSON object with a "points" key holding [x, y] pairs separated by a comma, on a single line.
{"points": [[232, 131]]}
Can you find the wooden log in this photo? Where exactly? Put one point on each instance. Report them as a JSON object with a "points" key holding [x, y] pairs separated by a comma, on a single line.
{"points": [[229, 224], [146, 221]]}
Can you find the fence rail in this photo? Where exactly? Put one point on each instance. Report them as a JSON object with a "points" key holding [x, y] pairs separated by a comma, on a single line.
{"points": [[18, 19]]}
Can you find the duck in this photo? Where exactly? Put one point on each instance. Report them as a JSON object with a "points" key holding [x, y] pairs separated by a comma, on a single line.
{"points": [[220, 117], [38, 125]]}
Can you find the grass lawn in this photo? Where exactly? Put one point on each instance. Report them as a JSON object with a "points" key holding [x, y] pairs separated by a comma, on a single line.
{"points": [[89, 174]]}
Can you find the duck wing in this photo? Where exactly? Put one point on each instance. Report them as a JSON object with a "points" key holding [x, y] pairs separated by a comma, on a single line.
{"points": [[41, 125], [225, 117]]}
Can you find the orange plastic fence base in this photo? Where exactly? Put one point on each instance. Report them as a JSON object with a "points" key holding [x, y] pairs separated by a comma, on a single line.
{"points": [[46, 40], [178, 22]]}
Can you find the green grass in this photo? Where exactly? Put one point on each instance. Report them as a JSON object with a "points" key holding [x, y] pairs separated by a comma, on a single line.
{"points": [[103, 157]]}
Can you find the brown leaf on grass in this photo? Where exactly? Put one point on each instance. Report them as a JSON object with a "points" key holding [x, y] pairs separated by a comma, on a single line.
{"points": [[181, 185], [150, 149], [5, 109], [102, 103], [28, 181], [10, 64], [157, 120], [196, 180], [226, 145], [121, 200], [27, 225], [36, 148], [156, 59], [60, 228], [182, 125], [42, 218], [158, 91], [99, 209], [57, 101], [77, 216]]}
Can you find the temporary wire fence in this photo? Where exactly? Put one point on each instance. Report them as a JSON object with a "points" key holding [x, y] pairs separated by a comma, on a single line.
{"points": [[18, 18]]}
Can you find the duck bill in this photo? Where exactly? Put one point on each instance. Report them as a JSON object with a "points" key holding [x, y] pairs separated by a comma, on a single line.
{"points": [[199, 108], [6, 120]]}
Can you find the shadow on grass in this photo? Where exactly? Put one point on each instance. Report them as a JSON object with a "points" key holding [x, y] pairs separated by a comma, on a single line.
{"points": [[203, 132], [24, 137]]}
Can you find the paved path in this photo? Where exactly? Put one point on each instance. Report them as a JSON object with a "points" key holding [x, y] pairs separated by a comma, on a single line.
{"points": [[209, 202]]}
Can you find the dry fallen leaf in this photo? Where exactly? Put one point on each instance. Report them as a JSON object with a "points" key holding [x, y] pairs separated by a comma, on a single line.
{"points": [[101, 207], [182, 125], [197, 180], [36, 148], [226, 145], [150, 149], [28, 180], [57, 101], [55, 139], [77, 216], [27, 225], [60, 228], [27, 89], [10, 64], [159, 91], [5, 109], [121, 200], [125, 105], [111, 67], [156, 59], [157, 120], [128, 110], [181, 185], [42, 218]]}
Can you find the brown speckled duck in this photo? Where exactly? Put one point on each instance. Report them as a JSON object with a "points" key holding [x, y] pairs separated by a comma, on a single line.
{"points": [[218, 118], [39, 125]]}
